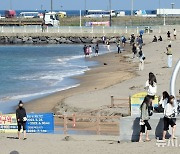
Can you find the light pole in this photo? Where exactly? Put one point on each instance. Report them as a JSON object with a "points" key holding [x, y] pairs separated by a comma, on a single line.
{"points": [[10, 4], [51, 5], [110, 19], [172, 5], [159, 7], [132, 7]]}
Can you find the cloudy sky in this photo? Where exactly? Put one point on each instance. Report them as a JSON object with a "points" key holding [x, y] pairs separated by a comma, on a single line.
{"points": [[90, 4]]}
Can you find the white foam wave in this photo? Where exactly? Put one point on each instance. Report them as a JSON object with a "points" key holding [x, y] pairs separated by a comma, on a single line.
{"points": [[36, 95]]}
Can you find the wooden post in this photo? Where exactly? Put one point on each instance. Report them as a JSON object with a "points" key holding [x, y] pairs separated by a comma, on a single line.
{"points": [[98, 124], [112, 101], [65, 123], [129, 105]]}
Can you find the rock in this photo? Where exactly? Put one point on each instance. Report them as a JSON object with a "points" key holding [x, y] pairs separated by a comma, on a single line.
{"points": [[25, 39], [69, 42], [35, 40], [62, 40], [19, 41], [96, 40], [29, 42], [86, 40], [52, 41], [75, 40], [68, 138], [42, 38]]}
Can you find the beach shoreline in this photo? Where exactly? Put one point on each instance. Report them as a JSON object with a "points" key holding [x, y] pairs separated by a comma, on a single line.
{"points": [[89, 81]]}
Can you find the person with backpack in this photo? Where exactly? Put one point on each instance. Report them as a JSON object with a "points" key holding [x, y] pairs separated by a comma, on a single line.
{"points": [[144, 117]]}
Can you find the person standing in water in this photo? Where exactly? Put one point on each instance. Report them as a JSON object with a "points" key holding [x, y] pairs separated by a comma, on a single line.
{"points": [[108, 45], [97, 49], [21, 119]]}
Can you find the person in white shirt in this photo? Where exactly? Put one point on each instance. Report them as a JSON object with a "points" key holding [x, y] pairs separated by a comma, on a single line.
{"points": [[162, 103], [169, 113], [175, 33], [151, 86], [141, 60]]}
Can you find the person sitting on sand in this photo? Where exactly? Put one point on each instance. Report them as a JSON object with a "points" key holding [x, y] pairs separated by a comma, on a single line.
{"points": [[169, 114], [21, 119], [160, 38], [162, 103], [144, 119], [154, 39]]}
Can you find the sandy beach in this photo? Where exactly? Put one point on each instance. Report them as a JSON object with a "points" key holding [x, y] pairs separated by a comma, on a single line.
{"points": [[119, 78], [77, 144]]}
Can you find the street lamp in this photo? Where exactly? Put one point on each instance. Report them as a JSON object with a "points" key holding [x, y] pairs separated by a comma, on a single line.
{"points": [[172, 5], [51, 5], [132, 7], [110, 19]]}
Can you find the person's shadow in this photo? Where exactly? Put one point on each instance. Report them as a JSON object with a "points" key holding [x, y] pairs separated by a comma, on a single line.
{"points": [[13, 138]]}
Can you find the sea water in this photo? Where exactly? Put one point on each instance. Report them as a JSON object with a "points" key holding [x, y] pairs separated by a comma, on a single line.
{"points": [[29, 72]]}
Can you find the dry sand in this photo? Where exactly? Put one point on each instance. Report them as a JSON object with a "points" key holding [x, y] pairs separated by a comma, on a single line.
{"points": [[77, 144]]}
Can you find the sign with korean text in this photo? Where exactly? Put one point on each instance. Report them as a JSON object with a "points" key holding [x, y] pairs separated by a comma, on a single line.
{"points": [[36, 123]]}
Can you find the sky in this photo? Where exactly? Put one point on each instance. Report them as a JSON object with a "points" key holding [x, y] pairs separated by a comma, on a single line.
{"points": [[90, 4]]}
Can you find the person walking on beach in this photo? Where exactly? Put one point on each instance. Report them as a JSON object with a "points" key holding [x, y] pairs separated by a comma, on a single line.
{"points": [[134, 50], [141, 60], [108, 45], [123, 40], [90, 50], [168, 35], [119, 47], [151, 87], [144, 117], [97, 49], [169, 114], [174, 33], [21, 119], [162, 103], [169, 55]]}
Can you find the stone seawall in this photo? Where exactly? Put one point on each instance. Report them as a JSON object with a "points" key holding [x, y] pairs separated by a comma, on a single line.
{"points": [[54, 39]]}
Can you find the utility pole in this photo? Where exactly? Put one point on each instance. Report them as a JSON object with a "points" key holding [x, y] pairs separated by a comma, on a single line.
{"points": [[159, 7], [85, 7], [110, 18]]}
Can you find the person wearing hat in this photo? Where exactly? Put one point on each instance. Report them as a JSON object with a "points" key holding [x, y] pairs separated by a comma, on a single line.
{"points": [[21, 119]]}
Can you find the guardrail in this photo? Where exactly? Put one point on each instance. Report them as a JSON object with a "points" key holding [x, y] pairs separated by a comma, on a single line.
{"points": [[86, 30], [98, 124]]}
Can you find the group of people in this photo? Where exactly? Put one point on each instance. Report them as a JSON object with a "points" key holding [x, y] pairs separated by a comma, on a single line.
{"points": [[174, 34], [137, 44], [88, 50], [155, 38], [166, 105]]}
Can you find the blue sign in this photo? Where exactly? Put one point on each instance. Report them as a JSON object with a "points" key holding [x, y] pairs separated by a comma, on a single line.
{"points": [[40, 123]]}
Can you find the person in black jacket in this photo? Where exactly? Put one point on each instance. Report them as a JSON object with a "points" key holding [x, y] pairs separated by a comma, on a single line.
{"points": [[21, 119]]}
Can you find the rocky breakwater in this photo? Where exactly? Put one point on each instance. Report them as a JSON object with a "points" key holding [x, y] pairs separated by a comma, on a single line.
{"points": [[53, 40]]}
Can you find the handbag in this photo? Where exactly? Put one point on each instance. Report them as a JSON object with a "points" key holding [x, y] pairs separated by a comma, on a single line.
{"points": [[141, 122], [24, 119]]}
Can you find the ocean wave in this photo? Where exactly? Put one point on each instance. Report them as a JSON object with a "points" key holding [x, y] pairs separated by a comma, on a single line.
{"points": [[35, 95]]}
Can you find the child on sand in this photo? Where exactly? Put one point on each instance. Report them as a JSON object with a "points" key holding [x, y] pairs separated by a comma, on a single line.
{"points": [[144, 119]]}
